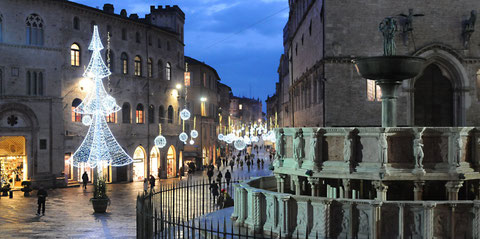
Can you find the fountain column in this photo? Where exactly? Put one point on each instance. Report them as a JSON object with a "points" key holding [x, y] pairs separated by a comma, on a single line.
{"points": [[389, 102]]}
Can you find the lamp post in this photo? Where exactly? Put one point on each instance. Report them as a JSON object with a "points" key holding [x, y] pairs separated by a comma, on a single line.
{"points": [[202, 109]]}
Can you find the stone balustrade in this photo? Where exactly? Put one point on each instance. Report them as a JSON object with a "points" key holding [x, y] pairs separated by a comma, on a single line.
{"points": [[259, 207], [375, 153]]}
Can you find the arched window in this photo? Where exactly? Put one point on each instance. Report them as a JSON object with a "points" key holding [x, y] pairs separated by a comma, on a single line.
{"points": [[149, 67], [124, 63], [138, 66], [137, 37], [29, 83], [76, 117], [109, 30], [92, 24], [124, 34], [34, 29], [112, 118], [139, 114], [75, 55], [109, 59], [170, 114], [40, 83], [151, 114], [1, 28], [168, 71], [160, 69], [126, 113], [34, 83], [161, 114], [76, 23]]}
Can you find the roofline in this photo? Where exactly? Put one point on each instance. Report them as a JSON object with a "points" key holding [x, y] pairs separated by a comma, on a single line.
{"points": [[138, 21], [193, 61]]}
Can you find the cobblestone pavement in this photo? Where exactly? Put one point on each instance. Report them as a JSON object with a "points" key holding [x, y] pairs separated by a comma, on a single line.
{"points": [[69, 213]]}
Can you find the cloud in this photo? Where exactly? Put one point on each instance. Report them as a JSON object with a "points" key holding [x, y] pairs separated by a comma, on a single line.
{"points": [[218, 8]]}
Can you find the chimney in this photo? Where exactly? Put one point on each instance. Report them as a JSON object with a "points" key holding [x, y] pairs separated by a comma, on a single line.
{"points": [[108, 8], [123, 13]]}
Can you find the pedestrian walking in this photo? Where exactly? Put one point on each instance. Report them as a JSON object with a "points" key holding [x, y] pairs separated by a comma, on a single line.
{"points": [[214, 191], [85, 180], [241, 164], [219, 163], [232, 163], [258, 162], [152, 182], [262, 162], [248, 165], [210, 175], [145, 185], [42, 198], [228, 177], [219, 178]]}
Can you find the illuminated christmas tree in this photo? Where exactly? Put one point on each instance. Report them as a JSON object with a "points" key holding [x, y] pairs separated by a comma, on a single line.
{"points": [[99, 148]]}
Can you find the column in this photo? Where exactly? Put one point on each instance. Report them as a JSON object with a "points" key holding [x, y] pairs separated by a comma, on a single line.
{"points": [[284, 216], [381, 188], [256, 210], [346, 188], [401, 222], [428, 230], [376, 219], [320, 219], [452, 189], [242, 207], [298, 187], [280, 182], [476, 220], [418, 190], [236, 205], [314, 184]]}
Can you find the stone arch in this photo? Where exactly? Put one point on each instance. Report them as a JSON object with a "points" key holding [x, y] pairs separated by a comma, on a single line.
{"points": [[139, 161], [171, 162], [451, 68], [155, 161]]}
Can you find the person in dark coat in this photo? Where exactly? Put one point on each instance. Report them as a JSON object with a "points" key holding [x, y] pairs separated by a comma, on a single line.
{"points": [[232, 163], [210, 175], [228, 177], [248, 165], [152, 182], [42, 197], [85, 180], [219, 178], [214, 191]]}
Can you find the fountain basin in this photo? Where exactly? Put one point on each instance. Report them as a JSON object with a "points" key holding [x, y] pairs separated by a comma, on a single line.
{"points": [[389, 68]]}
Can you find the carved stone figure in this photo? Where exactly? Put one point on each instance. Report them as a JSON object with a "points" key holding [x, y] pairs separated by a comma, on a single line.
{"points": [[416, 225], [383, 149], [270, 210], [469, 28], [418, 150], [299, 147], [313, 148], [279, 144], [388, 27], [458, 150]]}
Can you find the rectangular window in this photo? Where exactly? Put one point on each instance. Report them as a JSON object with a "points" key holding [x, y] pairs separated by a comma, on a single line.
{"points": [[203, 110], [139, 117], [15, 71], [204, 80], [187, 78], [43, 144], [374, 92], [76, 117], [240, 106], [112, 118]]}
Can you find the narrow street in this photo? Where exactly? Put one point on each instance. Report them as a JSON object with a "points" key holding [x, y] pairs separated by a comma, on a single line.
{"points": [[69, 213]]}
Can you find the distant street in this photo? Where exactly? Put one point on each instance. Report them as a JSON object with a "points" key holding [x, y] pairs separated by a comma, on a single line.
{"points": [[69, 213]]}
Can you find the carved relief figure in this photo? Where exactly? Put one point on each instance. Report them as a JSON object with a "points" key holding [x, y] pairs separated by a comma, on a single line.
{"points": [[383, 149], [279, 144], [418, 149], [363, 227], [347, 148], [299, 147], [469, 28], [458, 149], [270, 210], [416, 225]]}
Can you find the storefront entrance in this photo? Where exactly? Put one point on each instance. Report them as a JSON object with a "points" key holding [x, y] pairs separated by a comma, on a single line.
{"points": [[139, 158], [171, 162], [154, 161], [13, 160]]}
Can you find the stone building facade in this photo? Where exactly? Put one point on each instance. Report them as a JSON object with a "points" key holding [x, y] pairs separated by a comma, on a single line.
{"points": [[43, 53], [323, 37], [203, 101], [245, 110]]}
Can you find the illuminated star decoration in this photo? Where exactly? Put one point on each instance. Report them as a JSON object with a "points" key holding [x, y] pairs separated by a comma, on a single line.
{"points": [[99, 146]]}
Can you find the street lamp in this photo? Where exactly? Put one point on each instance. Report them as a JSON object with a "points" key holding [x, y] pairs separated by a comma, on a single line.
{"points": [[203, 99], [178, 86]]}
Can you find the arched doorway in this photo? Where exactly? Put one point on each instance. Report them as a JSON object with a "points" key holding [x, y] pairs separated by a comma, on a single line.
{"points": [[139, 158], [154, 161], [433, 99], [171, 162]]}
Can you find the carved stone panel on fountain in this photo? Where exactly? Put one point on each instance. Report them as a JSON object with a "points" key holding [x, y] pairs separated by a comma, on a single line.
{"points": [[414, 222], [390, 217], [401, 156]]}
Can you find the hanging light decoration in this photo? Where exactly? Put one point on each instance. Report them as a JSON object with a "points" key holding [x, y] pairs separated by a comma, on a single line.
{"points": [[87, 120], [192, 142], [160, 141], [221, 137], [185, 114], [239, 144], [183, 137], [194, 134]]}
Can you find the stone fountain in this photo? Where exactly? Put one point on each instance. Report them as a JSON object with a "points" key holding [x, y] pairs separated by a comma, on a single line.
{"points": [[389, 71]]}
